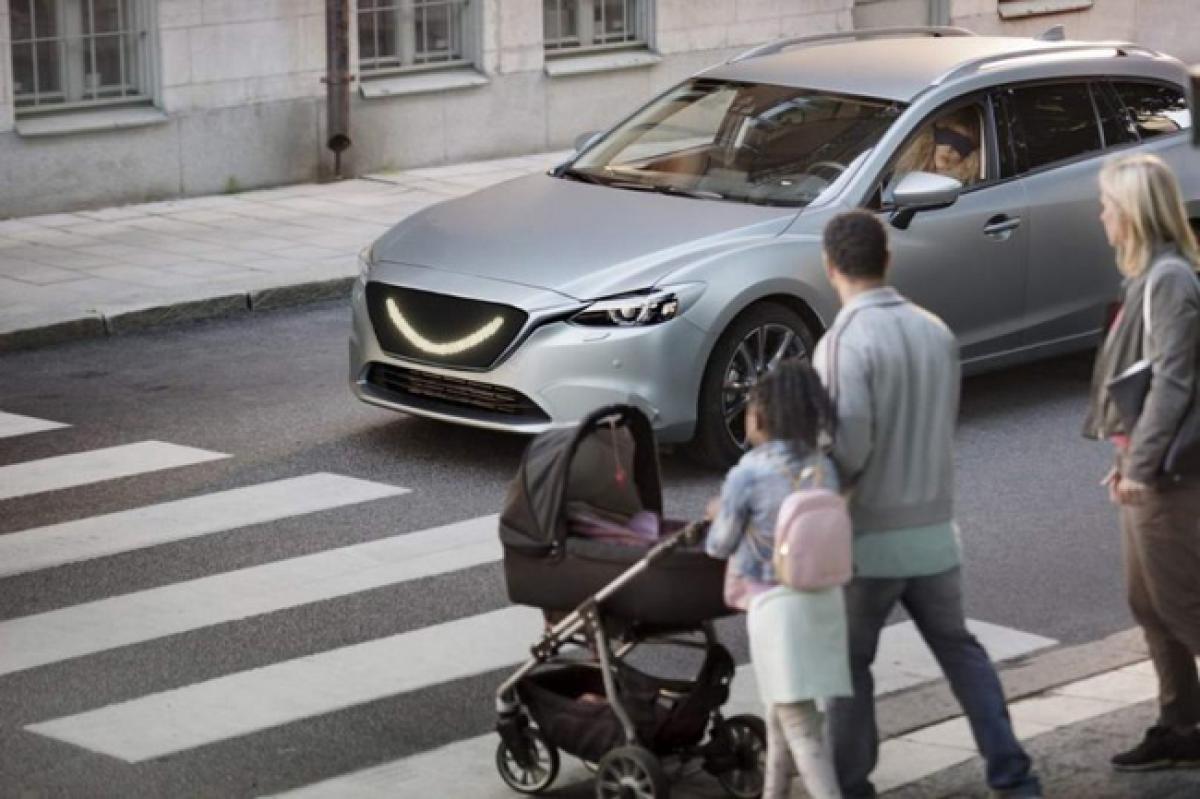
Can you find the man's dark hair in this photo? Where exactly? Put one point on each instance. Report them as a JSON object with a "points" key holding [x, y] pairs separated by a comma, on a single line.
{"points": [[856, 244], [793, 406]]}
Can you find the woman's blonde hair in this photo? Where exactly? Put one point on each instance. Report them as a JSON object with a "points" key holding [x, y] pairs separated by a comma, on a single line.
{"points": [[919, 154], [1150, 205]]}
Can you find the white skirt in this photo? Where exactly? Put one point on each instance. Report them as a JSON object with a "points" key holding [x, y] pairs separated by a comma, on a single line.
{"points": [[798, 645]]}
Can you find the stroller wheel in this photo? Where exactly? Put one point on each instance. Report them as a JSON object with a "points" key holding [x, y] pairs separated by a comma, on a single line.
{"points": [[540, 765], [631, 772], [743, 741]]}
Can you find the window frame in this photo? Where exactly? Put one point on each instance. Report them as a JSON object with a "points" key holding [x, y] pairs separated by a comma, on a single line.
{"points": [[643, 19], [142, 78], [1109, 91], [469, 19]]}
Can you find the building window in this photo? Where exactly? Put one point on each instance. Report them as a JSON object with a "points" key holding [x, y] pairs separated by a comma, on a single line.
{"points": [[571, 26], [78, 53], [406, 35], [1015, 9]]}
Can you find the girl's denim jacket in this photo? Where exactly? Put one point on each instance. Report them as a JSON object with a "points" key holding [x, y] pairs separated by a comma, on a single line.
{"points": [[754, 490]]}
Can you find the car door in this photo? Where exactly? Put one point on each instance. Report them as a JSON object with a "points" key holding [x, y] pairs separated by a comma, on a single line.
{"points": [[966, 262], [1059, 142]]}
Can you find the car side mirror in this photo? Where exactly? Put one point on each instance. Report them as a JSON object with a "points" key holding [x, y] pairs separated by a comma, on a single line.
{"points": [[586, 140], [922, 191]]}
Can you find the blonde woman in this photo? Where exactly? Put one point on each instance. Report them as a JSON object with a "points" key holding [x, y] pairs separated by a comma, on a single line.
{"points": [[948, 146], [1145, 221]]}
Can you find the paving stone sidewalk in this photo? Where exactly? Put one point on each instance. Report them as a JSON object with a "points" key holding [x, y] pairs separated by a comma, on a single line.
{"points": [[93, 273]]}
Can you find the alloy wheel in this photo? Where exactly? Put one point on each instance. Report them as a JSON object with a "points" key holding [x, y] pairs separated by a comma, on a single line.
{"points": [[762, 349]]}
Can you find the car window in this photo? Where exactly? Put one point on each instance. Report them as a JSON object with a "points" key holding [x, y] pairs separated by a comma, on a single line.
{"points": [[951, 142], [1155, 109], [742, 142], [1116, 124], [1057, 122]]}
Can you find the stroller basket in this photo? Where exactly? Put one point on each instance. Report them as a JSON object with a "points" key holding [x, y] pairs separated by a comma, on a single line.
{"points": [[568, 704], [682, 590]]}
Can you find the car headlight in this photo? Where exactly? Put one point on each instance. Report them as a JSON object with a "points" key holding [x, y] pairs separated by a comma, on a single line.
{"points": [[639, 309]]}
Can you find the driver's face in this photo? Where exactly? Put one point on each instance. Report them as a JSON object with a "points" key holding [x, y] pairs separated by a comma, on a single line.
{"points": [[945, 157]]}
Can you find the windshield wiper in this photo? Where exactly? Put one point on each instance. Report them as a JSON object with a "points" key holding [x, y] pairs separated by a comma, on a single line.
{"points": [[582, 177], [661, 188]]}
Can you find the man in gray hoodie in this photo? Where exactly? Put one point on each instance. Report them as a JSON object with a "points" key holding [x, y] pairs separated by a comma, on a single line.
{"points": [[892, 370]]}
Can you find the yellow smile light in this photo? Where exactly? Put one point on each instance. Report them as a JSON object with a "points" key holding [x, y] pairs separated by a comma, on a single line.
{"points": [[463, 344]]}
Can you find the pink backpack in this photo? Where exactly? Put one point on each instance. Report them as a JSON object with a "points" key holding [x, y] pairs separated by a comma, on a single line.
{"points": [[813, 535]]}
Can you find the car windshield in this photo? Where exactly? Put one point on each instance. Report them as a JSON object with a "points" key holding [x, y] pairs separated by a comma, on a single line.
{"points": [[774, 145]]}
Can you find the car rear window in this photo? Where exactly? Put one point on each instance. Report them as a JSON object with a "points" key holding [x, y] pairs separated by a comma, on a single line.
{"points": [[1155, 109], [1058, 122]]}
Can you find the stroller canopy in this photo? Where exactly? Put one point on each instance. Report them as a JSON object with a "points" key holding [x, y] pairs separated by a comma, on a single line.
{"points": [[533, 519]]}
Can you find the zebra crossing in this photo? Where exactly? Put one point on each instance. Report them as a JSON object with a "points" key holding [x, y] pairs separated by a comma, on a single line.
{"points": [[239, 705]]}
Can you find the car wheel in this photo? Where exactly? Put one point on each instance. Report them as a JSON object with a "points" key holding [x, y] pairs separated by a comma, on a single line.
{"points": [[751, 346]]}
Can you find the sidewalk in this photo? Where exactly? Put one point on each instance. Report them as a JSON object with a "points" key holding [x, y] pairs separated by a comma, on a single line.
{"points": [[1071, 729], [101, 272]]}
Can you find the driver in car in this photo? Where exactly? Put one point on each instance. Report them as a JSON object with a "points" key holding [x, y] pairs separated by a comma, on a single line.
{"points": [[947, 146]]}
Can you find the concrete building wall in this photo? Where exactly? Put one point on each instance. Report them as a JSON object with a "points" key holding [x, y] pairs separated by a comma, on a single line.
{"points": [[239, 101], [238, 84], [1172, 26]]}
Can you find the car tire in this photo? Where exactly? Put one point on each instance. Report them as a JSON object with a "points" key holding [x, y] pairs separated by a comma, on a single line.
{"points": [[714, 444]]}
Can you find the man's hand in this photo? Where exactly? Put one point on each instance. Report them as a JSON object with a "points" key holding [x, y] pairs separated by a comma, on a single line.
{"points": [[1110, 482], [1131, 492], [714, 507]]}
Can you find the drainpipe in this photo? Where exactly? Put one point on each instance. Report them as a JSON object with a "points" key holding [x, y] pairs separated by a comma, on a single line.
{"points": [[939, 12], [337, 78]]}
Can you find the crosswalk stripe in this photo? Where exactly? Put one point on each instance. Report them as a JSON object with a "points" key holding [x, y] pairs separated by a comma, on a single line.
{"points": [[13, 424], [247, 702], [124, 531], [81, 468], [903, 661], [57, 635]]}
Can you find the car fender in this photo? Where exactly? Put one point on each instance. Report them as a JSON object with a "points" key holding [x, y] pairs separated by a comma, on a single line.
{"points": [[787, 266]]}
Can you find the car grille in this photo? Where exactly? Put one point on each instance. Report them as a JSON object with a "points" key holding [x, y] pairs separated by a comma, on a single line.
{"points": [[440, 329], [453, 395]]}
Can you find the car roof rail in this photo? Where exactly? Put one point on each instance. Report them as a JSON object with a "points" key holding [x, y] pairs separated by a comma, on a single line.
{"points": [[771, 48], [1122, 49]]}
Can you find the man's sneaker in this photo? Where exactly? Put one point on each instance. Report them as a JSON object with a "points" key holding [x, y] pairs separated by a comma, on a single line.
{"points": [[1162, 748]]}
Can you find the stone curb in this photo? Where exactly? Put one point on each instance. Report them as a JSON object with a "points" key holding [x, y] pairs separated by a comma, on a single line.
{"points": [[128, 319], [913, 709]]}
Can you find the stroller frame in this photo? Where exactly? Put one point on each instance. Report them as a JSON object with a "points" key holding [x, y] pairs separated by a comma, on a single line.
{"points": [[726, 750], [588, 620]]}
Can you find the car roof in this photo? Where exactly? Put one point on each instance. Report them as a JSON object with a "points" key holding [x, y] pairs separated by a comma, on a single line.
{"points": [[885, 67]]}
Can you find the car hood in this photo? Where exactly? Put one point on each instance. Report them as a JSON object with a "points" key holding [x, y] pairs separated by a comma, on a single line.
{"points": [[577, 239]]}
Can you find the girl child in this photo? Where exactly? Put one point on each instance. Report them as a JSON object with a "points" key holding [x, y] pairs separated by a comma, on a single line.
{"points": [[798, 639]]}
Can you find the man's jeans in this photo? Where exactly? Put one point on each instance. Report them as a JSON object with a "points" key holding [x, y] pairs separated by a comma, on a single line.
{"points": [[935, 605]]}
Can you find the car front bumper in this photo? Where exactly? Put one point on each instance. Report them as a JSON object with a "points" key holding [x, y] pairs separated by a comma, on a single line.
{"points": [[555, 376]]}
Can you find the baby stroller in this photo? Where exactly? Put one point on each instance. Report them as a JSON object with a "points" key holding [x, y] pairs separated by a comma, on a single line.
{"points": [[613, 597]]}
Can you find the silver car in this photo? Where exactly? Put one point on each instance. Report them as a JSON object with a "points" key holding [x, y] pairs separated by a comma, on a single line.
{"points": [[677, 257]]}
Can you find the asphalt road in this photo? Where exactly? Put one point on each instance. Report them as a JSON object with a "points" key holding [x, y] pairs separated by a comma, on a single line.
{"points": [[269, 389]]}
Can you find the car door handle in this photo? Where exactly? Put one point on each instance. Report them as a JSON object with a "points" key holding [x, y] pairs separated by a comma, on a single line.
{"points": [[998, 225]]}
